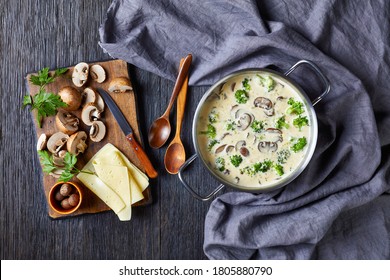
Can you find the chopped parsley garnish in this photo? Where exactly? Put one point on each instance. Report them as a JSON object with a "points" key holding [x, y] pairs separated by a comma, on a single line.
{"points": [[211, 132], [299, 144], [230, 125], [241, 96], [257, 126], [236, 160], [220, 163], [267, 82], [281, 122], [296, 107], [300, 121]]}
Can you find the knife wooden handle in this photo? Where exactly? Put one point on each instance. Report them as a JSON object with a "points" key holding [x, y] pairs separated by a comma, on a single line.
{"points": [[143, 158]]}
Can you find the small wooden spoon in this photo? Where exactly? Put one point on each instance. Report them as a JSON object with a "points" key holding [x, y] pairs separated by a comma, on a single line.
{"points": [[175, 154], [161, 128]]}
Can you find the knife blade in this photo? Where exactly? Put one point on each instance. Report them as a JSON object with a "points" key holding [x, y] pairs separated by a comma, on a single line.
{"points": [[129, 133]]}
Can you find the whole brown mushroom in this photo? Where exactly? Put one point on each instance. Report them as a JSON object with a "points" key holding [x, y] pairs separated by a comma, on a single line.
{"points": [[71, 97]]}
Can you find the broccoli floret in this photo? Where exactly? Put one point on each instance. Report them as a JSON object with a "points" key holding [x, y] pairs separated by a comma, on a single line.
{"points": [[220, 163], [296, 107], [300, 121], [267, 82], [281, 122], [246, 85], [211, 132], [241, 96], [257, 167], [279, 169], [257, 126], [299, 144], [213, 116], [236, 160], [211, 144], [283, 155]]}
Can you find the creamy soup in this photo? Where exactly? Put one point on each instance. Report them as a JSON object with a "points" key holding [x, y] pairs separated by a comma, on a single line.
{"points": [[253, 130]]}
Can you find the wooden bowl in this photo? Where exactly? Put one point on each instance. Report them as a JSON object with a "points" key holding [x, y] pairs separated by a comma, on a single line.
{"points": [[56, 200]]}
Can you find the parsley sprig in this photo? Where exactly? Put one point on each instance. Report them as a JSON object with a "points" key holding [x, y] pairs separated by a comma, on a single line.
{"points": [[69, 169], [45, 103]]}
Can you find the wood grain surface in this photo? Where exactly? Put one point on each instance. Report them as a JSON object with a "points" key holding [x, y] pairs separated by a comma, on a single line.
{"points": [[55, 33], [114, 135]]}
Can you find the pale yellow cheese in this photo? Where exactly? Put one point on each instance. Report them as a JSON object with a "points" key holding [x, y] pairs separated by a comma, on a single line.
{"points": [[117, 180], [104, 192], [112, 157]]}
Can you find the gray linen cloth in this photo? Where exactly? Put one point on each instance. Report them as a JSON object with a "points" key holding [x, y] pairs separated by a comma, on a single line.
{"points": [[338, 208]]}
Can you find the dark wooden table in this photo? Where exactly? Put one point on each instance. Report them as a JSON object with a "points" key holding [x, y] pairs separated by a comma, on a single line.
{"points": [[57, 33]]}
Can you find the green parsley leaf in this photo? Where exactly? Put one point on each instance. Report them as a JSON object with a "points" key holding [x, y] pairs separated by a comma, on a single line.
{"points": [[211, 144], [46, 161]]}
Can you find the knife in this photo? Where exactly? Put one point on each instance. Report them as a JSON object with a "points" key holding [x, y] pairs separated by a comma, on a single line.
{"points": [[129, 133]]}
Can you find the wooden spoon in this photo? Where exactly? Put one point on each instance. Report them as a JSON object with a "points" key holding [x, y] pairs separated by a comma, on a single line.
{"points": [[161, 128], [175, 154]]}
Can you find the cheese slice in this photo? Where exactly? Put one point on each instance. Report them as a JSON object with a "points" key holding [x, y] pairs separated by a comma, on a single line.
{"points": [[117, 178], [119, 182], [104, 192], [113, 158]]}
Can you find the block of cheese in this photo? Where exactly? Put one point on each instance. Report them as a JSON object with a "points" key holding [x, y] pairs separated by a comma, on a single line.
{"points": [[114, 173]]}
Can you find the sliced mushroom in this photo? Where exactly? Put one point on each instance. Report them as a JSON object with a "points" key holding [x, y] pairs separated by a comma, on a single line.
{"points": [[90, 113], [240, 144], [234, 110], [97, 73], [236, 180], [244, 151], [67, 122], [80, 74], [58, 158], [41, 143], [224, 135], [244, 121], [232, 86], [267, 146], [56, 173], [99, 103], [76, 143], [274, 134], [229, 149], [120, 85], [226, 172], [220, 149], [263, 102], [57, 141], [98, 131], [88, 96], [71, 97]]}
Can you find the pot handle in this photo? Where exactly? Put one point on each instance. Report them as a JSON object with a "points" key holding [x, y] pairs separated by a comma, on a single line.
{"points": [[188, 188], [318, 72]]}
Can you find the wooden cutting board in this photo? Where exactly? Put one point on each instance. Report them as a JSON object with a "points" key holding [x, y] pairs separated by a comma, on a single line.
{"points": [[114, 135]]}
